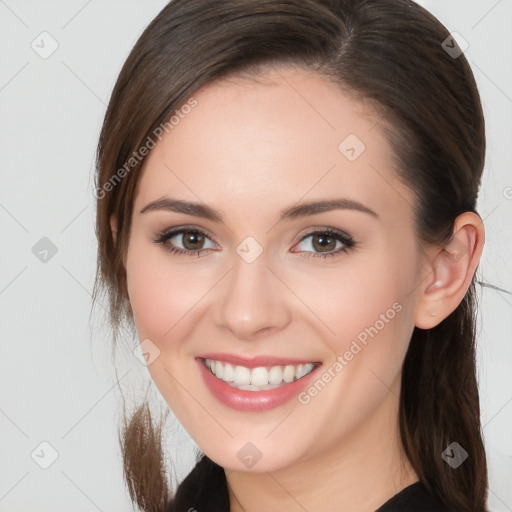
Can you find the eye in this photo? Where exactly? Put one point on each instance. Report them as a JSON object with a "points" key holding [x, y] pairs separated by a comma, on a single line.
{"points": [[191, 239], [326, 241]]}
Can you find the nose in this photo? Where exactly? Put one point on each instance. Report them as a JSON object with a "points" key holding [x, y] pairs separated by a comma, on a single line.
{"points": [[252, 300]]}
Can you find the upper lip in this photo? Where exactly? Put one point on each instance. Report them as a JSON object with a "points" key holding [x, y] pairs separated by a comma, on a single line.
{"points": [[256, 361]]}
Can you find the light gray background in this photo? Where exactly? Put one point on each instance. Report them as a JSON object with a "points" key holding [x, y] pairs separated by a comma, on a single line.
{"points": [[57, 381]]}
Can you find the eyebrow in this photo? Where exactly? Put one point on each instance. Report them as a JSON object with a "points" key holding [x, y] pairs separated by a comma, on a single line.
{"points": [[293, 212]]}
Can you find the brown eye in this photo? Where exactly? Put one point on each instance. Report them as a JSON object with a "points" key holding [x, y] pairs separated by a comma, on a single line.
{"points": [[326, 242], [192, 241]]}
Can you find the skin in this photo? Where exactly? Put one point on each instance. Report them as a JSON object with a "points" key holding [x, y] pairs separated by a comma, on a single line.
{"points": [[249, 149]]}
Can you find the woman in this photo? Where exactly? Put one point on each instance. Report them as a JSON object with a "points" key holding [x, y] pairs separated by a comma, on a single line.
{"points": [[286, 214]]}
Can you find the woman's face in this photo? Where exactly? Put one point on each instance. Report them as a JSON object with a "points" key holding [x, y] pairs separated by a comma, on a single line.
{"points": [[271, 288]]}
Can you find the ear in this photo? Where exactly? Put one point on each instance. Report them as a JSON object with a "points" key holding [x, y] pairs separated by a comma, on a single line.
{"points": [[113, 227], [451, 269]]}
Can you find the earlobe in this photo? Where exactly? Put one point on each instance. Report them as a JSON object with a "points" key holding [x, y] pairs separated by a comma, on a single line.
{"points": [[450, 271], [114, 229]]}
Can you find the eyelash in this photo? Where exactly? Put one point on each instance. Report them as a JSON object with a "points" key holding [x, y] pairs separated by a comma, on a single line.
{"points": [[346, 240]]}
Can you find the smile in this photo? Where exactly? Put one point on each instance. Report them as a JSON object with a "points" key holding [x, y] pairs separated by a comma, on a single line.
{"points": [[260, 378]]}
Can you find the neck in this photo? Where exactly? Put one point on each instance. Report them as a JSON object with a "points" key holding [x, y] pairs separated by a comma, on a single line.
{"points": [[361, 473]]}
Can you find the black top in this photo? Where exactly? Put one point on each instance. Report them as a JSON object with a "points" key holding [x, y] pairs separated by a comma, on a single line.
{"points": [[413, 498], [205, 488]]}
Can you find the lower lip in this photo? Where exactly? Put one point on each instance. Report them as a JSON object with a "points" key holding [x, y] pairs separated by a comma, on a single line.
{"points": [[255, 401]]}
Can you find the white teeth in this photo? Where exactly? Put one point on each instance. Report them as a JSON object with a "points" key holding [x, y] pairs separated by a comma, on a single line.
{"points": [[242, 374], [257, 379], [289, 373], [229, 373], [275, 375], [302, 369], [219, 369], [259, 376]]}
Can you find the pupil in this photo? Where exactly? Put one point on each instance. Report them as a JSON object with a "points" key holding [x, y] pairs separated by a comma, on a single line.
{"points": [[324, 241], [193, 238]]}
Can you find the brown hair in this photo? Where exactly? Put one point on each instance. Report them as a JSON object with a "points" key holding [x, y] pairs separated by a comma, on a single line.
{"points": [[388, 52]]}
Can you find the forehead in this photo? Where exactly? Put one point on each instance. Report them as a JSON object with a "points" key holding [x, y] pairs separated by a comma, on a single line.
{"points": [[289, 135]]}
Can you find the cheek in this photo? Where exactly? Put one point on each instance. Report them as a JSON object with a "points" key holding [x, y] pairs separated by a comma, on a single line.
{"points": [[168, 300], [158, 296], [164, 304], [367, 313], [351, 301]]}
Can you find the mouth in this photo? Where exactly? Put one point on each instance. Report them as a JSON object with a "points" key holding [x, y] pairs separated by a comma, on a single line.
{"points": [[255, 384], [259, 378]]}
